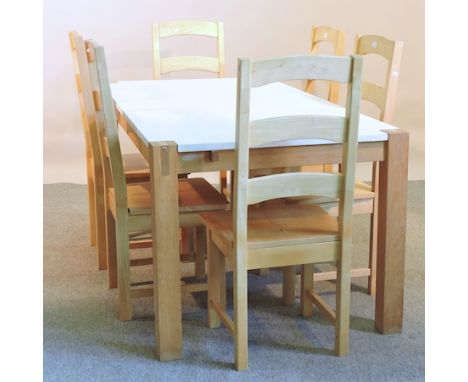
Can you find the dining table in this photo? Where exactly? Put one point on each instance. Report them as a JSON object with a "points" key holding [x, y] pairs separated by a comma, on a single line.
{"points": [[189, 125]]}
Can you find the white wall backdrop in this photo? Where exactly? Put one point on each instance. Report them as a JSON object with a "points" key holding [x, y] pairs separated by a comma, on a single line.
{"points": [[253, 28]]}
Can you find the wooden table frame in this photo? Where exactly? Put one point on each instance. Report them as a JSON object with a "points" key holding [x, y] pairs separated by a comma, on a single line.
{"points": [[165, 165]]}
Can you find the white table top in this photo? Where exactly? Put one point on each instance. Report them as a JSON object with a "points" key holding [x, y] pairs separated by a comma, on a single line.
{"points": [[200, 114]]}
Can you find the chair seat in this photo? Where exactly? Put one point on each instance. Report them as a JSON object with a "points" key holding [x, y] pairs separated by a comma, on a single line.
{"points": [[195, 194], [274, 225]]}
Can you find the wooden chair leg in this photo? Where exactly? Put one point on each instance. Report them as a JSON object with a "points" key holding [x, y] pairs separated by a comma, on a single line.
{"points": [[100, 219], [232, 187], [289, 285], [111, 250], [343, 297], [372, 280], [123, 265], [216, 282], [186, 245], [240, 318], [223, 181], [307, 282], [91, 202], [200, 252]]}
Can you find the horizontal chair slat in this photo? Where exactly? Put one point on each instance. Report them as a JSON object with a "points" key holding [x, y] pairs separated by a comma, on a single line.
{"points": [[173, 64], [293, 184], [297, 127], [329, 68], [376, 44], [373, 93], [177, 28], [297, 254]]}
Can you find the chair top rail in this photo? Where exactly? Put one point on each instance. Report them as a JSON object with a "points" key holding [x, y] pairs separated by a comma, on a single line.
{"points": [[330, 68], [188, 27], [297, 127]]}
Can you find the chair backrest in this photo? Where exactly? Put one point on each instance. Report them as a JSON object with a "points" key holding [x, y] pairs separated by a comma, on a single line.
{"points": [[342, 130], [382, 96], [336, 38], [106, 123], [83, 87], [179, 28]]}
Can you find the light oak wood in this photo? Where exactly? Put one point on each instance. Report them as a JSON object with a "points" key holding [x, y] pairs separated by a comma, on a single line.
{"points": [[321, 304], [327, 35], [261, 158], [217, 284], [76, 42], [300, 127], [331, 275], [136, 168], [277, 234], [273, 157], [391, 234], [174, 64], [131, 210], [166, 272], [299, 68], [384, 98], [311, 224], [195, 195], [183, 63], [177, 28], [307, 283], [200, 252], [221, 313], [283, 185]]}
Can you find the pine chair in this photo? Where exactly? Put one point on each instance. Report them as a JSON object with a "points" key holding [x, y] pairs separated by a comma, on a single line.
{"points": [[384, 98], [129, 209], [320, 35], [136, 168], [327, 35], [366, 196], [184, 63], [285, 235]]}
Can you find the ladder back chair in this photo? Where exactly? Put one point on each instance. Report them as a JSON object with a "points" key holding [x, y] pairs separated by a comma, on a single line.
{"points": [[384, 98], [324, 34], [166, 65], [366, 196], [320, 35], [198, 63], [129, 209], [136, 168], [281, 235]]}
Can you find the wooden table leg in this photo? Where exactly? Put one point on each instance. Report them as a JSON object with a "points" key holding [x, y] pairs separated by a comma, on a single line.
{"points": [[393, 180], [165, 223]]}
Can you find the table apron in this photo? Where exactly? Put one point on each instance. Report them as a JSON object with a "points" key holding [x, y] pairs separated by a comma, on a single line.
{"points": [[277, 157], [288, 156]]}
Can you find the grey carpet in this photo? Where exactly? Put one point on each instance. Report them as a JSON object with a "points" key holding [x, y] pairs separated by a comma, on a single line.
{"points": [[84, 340]]}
